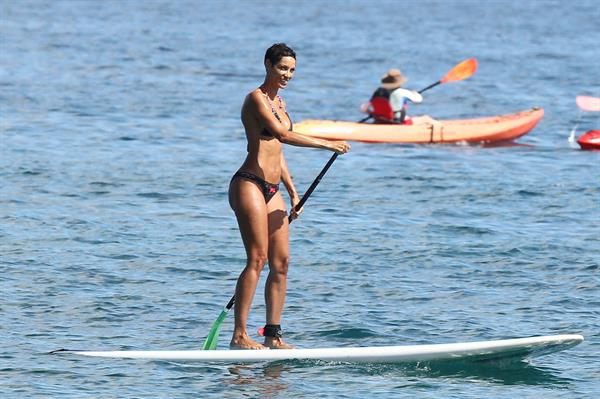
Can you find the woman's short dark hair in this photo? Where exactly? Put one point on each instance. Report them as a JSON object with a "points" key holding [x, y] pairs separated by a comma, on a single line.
{"points": [[277, 51]]}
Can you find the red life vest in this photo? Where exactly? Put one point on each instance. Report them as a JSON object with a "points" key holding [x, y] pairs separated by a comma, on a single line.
{"points": [[380, 108]]}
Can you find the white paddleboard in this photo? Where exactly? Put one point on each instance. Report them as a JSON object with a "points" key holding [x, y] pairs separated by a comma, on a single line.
{"points": [[483, 350]]}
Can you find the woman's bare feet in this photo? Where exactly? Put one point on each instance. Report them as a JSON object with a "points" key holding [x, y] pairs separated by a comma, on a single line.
{"points": [[276, 343], [243, 341]]}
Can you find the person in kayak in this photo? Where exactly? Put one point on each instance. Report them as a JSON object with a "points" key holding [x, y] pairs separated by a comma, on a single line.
{"points": [[257, 202], [389, 103]]}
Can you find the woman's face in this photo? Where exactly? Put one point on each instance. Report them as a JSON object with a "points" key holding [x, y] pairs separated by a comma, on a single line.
{"points": [[282, 72]]}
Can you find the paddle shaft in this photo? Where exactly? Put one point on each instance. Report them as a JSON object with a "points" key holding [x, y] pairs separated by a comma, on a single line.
{"points": [[303, 200], [314, 184], [430, 86]]}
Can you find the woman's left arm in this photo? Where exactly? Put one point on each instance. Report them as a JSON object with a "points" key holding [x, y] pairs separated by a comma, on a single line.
{"points": [[289, 184]]}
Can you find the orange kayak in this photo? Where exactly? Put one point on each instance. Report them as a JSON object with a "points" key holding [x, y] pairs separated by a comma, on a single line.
{"points": [[478, 130]]}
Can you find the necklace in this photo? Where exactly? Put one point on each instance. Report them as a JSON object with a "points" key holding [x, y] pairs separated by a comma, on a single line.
{"points": [[277, 97]]}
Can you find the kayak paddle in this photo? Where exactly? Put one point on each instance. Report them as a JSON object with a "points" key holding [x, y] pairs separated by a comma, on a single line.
{"points": [[588, 103], [461, 71], [213, 336]]}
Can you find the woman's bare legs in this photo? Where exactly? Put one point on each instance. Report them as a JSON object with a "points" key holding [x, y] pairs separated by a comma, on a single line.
{"points": [[248, 203], [279, 255]]}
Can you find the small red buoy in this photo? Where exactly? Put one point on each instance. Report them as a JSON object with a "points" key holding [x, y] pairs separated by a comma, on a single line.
{"points": [[590, 140], [261, 331]]}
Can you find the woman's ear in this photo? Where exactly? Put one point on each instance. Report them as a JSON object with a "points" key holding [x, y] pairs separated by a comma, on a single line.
{"points": [[268, 64]]}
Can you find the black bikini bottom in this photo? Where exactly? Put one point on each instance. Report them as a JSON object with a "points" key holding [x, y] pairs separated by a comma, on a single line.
{"points": [[268, 189]]}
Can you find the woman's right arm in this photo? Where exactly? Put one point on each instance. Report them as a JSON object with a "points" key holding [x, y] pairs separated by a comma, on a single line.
{"points": [[278, 130]]}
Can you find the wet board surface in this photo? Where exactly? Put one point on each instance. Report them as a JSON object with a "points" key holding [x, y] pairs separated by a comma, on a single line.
{"points": [[478, 351]]}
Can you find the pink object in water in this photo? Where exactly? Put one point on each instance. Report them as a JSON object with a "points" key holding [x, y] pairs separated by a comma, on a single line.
{"points": [[588, 103]]}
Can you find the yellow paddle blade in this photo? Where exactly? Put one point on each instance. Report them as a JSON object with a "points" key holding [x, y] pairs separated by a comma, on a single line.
{"points": [[461, 71]]}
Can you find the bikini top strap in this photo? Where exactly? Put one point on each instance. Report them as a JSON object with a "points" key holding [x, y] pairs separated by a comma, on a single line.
{"points": [[276, 114], [282, 103], [282, 106]]}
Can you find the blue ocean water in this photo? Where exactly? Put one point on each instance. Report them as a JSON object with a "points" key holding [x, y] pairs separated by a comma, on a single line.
{"points": [[120, 130]]}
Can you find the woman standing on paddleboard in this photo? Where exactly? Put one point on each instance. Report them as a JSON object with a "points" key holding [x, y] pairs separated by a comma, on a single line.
{"points": [[258, 205]]}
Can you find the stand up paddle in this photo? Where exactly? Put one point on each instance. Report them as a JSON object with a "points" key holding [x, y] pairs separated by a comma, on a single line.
{"points": [[211, 341], [461, 71]]}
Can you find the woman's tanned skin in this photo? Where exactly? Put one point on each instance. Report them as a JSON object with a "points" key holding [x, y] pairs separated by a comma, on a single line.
{"points": [[264, 225]]}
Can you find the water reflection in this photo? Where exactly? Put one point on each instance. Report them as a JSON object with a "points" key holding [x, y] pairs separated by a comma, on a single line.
{"points": [[509, 372], [265, 379], [270, 378], [254, 379]]}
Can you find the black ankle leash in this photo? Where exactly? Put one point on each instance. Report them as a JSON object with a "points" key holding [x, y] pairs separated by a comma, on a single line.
{"points": [[271, 330]]}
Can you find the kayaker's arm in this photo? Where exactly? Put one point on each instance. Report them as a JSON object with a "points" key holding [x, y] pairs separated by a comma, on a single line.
{"points": [[415, 96], [398, 96]]}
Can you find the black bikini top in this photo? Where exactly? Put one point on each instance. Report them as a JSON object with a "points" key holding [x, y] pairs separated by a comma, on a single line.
{"points": [[265, 132]]}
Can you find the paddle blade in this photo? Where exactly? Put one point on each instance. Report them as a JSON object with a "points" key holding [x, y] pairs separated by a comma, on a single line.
{"points": [[588, 103], [213, 336], [461, 71]]}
